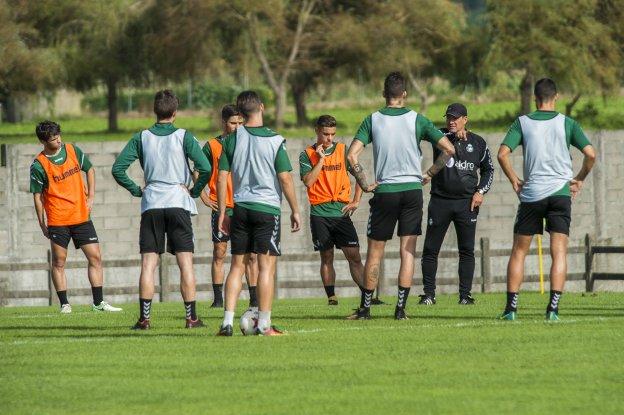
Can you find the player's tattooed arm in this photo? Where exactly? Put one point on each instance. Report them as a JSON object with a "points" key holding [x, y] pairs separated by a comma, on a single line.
{"points": [[438, 164], [360, 176], [448, 150], [356, 168]]}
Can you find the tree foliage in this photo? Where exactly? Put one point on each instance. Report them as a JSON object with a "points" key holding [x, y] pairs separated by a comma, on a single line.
{"points": [[550, 38]]}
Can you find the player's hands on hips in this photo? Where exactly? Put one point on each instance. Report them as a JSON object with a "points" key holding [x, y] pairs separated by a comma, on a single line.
{"points": [[350, 208], [185, 187], [320, 151], [224, 223], [517, 185], [370, 187], [575, 187], [426, 179], [477, 200], [295, 222]]}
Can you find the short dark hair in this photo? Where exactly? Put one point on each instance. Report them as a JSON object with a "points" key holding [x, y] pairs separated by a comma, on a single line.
{"points": [[228, 111], [394, 85], [325, 121], [248, 102], [545, 90], [165, 104], [45, 130]]}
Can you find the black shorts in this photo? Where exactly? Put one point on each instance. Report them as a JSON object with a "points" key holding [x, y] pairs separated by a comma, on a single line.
{"points": [[217, 235], [386, 209], [175, 223], [557, 210], [333, 231], [81, 234], [254, 232]]}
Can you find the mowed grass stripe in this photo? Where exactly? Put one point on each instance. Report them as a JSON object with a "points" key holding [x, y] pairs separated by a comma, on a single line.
{"points": [[445, 359]]}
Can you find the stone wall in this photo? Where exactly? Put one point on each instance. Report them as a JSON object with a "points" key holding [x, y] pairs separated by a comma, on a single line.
{"points": [[597, 211]]}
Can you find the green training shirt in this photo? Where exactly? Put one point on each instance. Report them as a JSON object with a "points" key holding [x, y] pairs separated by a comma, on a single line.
{"points": [[38, 176], [425, 130], [573, 131], [327, 209], [134, 150], [281, 164]]}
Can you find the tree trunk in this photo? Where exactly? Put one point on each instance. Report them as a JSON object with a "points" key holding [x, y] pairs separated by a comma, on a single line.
{"points": [[526, 93], [280, 106], [424, 97], [111, 102], [9, 109], [299, 96], [571, 104]]}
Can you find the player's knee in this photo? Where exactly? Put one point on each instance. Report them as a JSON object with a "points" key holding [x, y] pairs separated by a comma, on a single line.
{"points": [[58, 262], [95, 260], [252, 260], [218, 254], [327, 257]]}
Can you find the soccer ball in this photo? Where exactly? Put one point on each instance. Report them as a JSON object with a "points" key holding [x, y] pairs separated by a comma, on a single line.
{"points": [[249, 322]]}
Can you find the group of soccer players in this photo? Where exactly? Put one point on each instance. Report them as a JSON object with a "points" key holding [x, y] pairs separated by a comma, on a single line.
{"points": [[242, 175]]}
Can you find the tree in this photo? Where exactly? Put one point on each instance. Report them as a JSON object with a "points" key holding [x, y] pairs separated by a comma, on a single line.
{"points": [[552, 39], [95, 41], [26, 65], [417, 37], [277, 30]]}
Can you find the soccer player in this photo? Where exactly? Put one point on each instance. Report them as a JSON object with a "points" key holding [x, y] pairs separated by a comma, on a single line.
{"points": [[166, 201], [456, 194], [231, 119], [395, 133], [323, 170], [256, 159], [63, 210], [546, 191]]}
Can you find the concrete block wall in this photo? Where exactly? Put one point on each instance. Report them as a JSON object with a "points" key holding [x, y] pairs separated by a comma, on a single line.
{"points": [[116, 215]]}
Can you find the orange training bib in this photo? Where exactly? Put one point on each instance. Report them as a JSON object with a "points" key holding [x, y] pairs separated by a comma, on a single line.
{"points": [[333, 183], [64, 200]]}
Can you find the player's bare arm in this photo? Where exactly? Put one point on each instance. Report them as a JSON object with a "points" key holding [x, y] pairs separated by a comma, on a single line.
{"points": [[224, 220], [205, 195], [589, 158], [503, 159], [90, 188], [288, 187], [351, 207], [311, 177], [356, 168], [37, 198], [448, 151]]}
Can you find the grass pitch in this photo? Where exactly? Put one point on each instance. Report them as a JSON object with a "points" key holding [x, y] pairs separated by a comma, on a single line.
{"points": [[445, 359]]}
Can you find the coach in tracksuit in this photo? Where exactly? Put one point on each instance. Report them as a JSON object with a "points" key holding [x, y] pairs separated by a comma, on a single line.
{"points": [[456, 194]]}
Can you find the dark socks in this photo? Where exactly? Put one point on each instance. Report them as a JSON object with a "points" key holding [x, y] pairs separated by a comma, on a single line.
{"points": [[190, 310], [145, 308], [512, 302], [329, 290], [253, 298], [367, 298], [402, 296], [362, 297], [553, 304], [98, 296], [217, 289], [62, 296]]}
